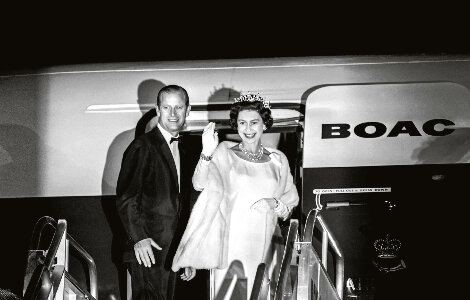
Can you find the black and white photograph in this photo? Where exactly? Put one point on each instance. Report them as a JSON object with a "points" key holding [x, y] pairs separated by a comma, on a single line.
{"points": [[233, 158]]}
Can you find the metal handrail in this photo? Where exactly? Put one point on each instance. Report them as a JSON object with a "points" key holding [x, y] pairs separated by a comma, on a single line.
{"points": [[235, 269], [38, 229], [35, 239], [55, 243], [286, 259], [260, 284], [40, 274], [309, 226], [327, 238], [91, 266]]}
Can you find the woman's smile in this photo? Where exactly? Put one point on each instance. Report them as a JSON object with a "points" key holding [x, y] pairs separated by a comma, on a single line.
{"points": [[250, 128]]}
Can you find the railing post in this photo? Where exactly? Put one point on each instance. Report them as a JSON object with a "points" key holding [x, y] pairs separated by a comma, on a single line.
{"points": [[324, 249], [340, 276], [286, 260], [62, 259]]}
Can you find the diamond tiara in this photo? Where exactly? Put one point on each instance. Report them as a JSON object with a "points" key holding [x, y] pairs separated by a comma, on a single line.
{"points": [[251, 97]]}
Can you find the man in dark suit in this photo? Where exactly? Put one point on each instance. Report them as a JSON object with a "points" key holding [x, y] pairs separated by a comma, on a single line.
{"points": [[154, 185]]}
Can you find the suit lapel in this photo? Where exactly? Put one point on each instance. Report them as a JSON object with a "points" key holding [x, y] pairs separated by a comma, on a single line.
{"points": [[165, 150], [183, 163]]}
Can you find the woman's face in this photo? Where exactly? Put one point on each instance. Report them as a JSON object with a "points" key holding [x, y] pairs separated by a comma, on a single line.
{"points": [[250, 126]]}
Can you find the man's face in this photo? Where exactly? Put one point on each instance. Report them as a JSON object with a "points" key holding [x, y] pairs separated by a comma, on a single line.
{"points": [[172, 112]]}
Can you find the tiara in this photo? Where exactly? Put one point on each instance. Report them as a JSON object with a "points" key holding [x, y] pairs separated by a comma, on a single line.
{"points": [[251, 97]]}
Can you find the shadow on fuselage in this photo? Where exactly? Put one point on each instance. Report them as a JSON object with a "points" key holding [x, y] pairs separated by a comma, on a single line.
{"points": [[147, 92]]}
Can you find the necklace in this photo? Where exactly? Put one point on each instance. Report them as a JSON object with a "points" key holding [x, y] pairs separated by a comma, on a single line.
{"points": [[252, 156]]}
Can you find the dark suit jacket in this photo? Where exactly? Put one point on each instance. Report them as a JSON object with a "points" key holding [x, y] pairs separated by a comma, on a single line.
{"points": [[148, 200]]}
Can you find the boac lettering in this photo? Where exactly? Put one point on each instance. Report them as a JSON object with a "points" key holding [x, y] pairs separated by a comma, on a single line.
{"points": [[360, 130], [430, 127], [377, 129], [331, 131]]}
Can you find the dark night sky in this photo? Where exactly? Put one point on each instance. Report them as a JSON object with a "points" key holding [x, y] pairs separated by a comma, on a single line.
{"points": [[34, 39]]}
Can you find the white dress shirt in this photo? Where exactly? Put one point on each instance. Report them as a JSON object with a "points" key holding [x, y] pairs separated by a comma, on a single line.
{"points": [[173, 148]]}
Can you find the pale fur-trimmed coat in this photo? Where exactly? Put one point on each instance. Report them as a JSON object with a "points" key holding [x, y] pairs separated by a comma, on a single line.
{"points": [[204, 242]]}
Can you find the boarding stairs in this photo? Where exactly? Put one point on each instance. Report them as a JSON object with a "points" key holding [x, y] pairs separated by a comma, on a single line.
{"points": [[303, 274], [47, 274]]}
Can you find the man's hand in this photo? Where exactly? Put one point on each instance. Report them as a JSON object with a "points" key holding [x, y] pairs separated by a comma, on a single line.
{"points": [[210, 139], [144, 253], [189, 273]]}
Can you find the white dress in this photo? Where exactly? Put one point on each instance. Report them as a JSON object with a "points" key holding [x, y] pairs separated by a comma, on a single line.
{"points": [[224, 230], [250, 231]]}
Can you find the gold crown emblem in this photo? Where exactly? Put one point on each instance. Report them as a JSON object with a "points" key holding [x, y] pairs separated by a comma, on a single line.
{"points": [[387, 248], [251, 97]]}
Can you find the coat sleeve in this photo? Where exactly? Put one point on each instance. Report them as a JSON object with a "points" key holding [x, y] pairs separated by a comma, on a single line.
{"points": [[134, 167], [204, 244], [201, 173], [289, 196]]}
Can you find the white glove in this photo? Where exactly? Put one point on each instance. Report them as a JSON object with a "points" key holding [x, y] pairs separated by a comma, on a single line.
{"points": [[210, 139], [264, 204], [281, 210]]}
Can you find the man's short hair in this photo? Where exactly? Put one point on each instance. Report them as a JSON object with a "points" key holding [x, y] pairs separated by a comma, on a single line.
{"points": [[172, 88]]}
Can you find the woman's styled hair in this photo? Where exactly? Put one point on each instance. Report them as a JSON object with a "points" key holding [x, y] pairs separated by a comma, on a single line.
{"points": [[258, 106]]}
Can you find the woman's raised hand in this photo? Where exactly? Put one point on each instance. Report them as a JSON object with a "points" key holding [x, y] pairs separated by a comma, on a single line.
{"points": [[210, 139]]}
